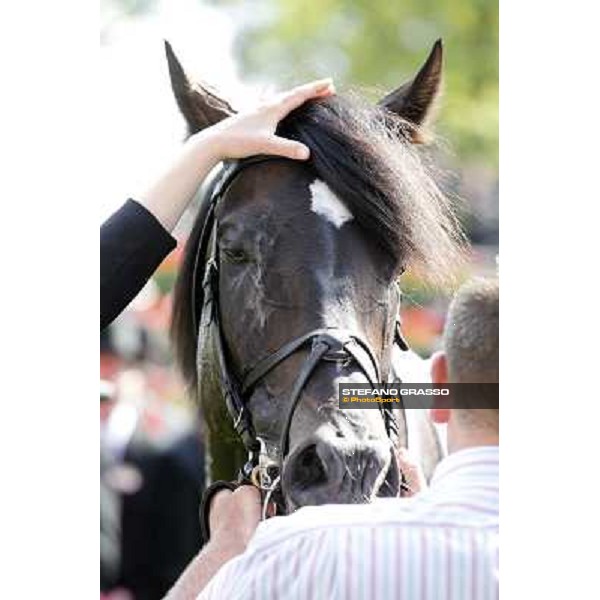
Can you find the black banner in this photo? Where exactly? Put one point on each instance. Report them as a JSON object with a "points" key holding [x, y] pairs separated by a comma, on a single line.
{"points": [[419, 395]]}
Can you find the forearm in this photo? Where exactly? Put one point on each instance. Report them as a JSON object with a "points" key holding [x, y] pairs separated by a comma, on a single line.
{"points": [[132, 245], [168, 197], [200, 571]]}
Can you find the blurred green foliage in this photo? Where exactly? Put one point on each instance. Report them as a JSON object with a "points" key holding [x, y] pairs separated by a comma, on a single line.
{"points": [[128, 8], [376, 45]]}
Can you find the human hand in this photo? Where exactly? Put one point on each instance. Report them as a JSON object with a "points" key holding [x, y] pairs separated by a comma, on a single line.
{"points": [[414, 478], [250, 133], [238, 136], [234, 517]]}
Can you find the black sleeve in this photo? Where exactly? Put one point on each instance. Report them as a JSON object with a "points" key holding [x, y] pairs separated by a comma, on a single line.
{"points": [[133, 243]]}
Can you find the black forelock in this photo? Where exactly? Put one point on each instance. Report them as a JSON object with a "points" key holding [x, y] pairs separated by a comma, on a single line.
{"points": [[364, 155]]}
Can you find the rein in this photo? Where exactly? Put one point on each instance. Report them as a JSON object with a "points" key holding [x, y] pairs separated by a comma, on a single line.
{"points": [[329, 344]]}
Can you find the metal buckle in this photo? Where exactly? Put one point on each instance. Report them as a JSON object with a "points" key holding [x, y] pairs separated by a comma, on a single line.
{"points": [[239, 418], [265, 475], [211, 267], [337, 356], [336, 349]]}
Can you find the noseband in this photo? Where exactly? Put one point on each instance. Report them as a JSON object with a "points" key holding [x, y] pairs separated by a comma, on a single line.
{"points": [[330, 345]]}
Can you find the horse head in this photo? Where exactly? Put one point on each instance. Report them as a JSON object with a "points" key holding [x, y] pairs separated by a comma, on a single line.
{"points": [[309, 253]]}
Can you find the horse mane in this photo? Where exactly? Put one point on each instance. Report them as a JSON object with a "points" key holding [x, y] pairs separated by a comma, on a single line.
{"points": [[364, 155]]}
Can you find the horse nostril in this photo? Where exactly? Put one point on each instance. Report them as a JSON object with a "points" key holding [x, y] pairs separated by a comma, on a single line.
{"points": [[325, 470], [308, 468]]}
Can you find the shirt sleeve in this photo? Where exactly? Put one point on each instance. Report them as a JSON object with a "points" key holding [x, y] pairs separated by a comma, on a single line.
{"points": [[133, 243], [222, 585]]}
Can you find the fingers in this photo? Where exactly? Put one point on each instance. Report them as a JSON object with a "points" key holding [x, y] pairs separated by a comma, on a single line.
{"points": [[413, 473], [235, 514], [218, 506], [288, 101], [287, 148]]}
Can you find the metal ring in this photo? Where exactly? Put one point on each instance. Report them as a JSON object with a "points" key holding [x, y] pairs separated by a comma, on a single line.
{"points": [[254, 474]]}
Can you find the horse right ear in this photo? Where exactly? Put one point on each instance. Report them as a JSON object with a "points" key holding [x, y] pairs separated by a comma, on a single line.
{"points": [[415, 100], [199, 107]]}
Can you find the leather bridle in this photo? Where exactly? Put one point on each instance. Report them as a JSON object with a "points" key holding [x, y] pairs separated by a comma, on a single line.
{"points": [[330, 344]]}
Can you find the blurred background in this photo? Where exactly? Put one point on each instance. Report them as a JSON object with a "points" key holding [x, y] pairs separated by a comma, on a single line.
{"points": [[245, 49]]}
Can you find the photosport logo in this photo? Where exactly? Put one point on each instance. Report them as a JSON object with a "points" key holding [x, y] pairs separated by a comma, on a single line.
{"points": [[418, 395]]}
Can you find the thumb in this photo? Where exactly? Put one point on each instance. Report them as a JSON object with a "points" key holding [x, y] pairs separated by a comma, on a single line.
{"points": [[411, 470], [279, 146]]}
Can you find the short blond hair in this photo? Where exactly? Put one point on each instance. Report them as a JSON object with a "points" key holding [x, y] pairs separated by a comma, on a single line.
{"points": [[472, 333], [471, 343]]}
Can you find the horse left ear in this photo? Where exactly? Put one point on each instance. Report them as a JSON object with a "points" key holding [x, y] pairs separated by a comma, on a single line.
{"points": [[415, 100], [199, 106]]}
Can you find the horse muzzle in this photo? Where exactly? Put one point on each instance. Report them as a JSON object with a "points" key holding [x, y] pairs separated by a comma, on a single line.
{"points": [[327, 469]]}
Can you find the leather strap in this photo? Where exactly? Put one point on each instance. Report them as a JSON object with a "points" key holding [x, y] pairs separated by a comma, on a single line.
{"points": [[352, 344], [319, 350], [209, 493]]}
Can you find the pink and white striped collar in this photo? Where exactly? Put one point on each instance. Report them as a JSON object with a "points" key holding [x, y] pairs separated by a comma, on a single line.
{"points": [[467, 464]]}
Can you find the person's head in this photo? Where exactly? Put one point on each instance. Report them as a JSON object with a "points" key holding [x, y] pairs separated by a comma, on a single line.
{"points": [[470, 356]]}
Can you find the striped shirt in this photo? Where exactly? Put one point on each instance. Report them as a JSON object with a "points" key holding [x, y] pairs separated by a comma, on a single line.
{"points": [[441, 544]]}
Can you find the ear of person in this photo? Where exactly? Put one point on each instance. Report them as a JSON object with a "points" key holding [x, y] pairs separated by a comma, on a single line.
{"points": [[439, 368], [439, 375]]}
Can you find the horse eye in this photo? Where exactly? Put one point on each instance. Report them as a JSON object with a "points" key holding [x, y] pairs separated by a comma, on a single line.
{"points": [[235, 255]]}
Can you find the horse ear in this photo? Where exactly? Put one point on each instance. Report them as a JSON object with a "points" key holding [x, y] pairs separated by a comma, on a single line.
{"points": [[415, 100], [199, 107]]}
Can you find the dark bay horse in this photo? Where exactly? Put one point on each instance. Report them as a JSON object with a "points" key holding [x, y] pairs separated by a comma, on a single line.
{"points": [[312, 251]]}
